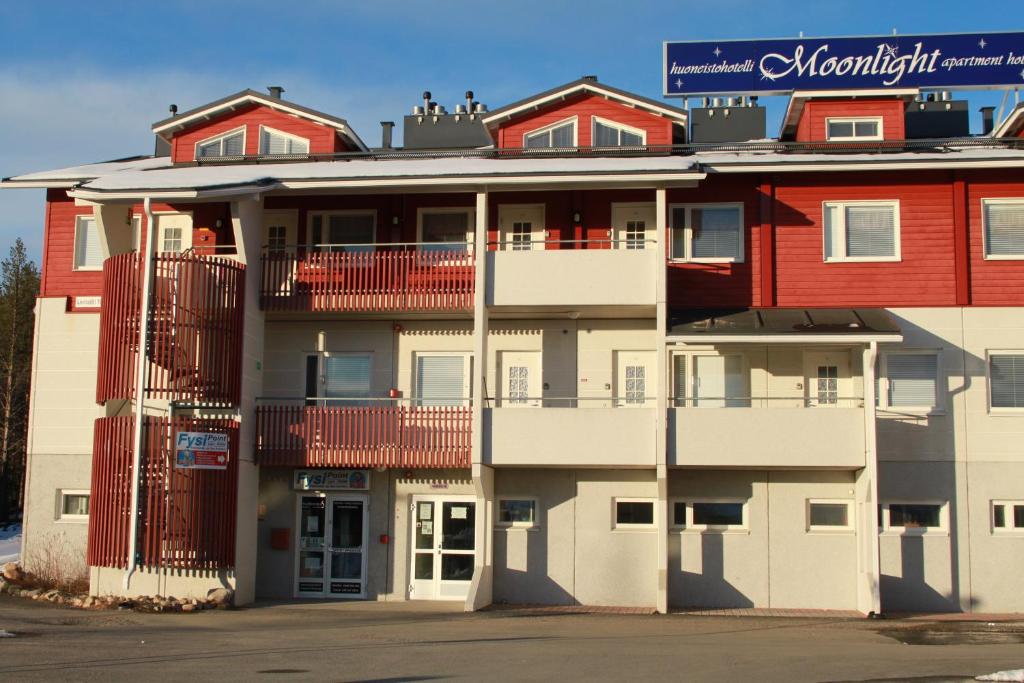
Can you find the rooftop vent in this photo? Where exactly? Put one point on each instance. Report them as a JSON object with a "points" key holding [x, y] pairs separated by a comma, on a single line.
{"points": [[591, 78], [275, 91], [430, 126]]}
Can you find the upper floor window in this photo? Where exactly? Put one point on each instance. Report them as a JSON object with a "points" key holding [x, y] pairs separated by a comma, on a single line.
{"points": [[230, 144], [711, 233], [862, 231], [1003, 228], [277, 142], [560, 134], [911, 380], [1006, 379], [344, 231], [88, 254], [446, 229], [860, 128], [609, 134]]}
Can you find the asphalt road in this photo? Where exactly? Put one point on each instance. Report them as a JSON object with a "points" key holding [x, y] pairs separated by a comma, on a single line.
{"points": [[423, 642]]}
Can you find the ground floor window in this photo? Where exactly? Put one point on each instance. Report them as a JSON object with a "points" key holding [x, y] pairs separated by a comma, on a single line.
{"points": [[829, 515], [73, 505], [517, 512], [713, 515], [632, 513], [918, 517], [1007, 516]]}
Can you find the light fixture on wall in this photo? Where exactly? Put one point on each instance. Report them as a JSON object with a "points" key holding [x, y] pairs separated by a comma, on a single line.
{"points": [[576, 217], [218, 223]]}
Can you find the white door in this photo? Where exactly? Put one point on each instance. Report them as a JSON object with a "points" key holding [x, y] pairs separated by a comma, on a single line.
{"points": [[828, 382], [331, 548], [280, 230], [521, 226], [280, 234], [442, 379], [520, 379], [633, 226], [720, 382], [634, 378], [443, 547], [174, 232]]}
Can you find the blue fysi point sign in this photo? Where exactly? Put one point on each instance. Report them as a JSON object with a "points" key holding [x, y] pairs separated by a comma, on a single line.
{"points": [[780, 66]]}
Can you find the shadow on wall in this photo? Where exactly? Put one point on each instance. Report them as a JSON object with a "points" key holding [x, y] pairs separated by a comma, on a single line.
{"points": [[710, 588], [911, 592]]}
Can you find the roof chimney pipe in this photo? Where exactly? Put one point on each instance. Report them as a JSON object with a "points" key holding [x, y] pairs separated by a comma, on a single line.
{"points": [[385, 138], [988, 122], [275, 91], [173, 109], [469, 101], [426, 101], [591, 78]]}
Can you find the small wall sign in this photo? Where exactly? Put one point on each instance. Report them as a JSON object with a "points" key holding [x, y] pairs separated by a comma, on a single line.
{"points": [[332, 480], [201, 451]]}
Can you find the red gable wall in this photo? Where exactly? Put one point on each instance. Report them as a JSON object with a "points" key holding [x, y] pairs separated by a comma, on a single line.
{"points": [[659, 129], [322, 139], [811, 126]]}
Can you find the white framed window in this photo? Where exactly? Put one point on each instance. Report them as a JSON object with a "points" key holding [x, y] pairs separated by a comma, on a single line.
{"points": [[517, 512], [136, 231], [351, 231], [88, 253], [605, 133], [1003, 228], [914, 518], [73, 505], [445, 229], [339, 378], [707, 233], [1006, 381], [853, 128], [712, 514], [861, 231], [829, 515], [1008, 516], [229, 144], [442, 378], [171, 239], [632, 513], [559, 134], [274, 141], [277, 237], [909, 380]]}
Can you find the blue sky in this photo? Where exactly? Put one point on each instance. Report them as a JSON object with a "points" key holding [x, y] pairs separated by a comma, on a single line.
{"points": [[83, 81]]}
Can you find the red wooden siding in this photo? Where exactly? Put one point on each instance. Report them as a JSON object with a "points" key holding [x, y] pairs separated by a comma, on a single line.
{"points": [[186, 516], [59, 277], [195, 329], [356, 436], [925, 275], [811, 126], [322, 138], [659, 129], [993, 282]]}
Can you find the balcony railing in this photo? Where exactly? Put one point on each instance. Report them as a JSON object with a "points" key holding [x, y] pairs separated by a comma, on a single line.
{"points": [[186, 516], [767, 402], [362, 433], [367, 277], [195, 328]]}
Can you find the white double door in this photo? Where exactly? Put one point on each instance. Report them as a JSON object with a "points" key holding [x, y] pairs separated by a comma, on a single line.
{"points": [[443, 547], [331, 548]]}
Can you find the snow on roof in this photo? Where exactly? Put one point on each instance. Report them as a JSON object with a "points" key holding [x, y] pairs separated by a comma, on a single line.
{"points": [[450, 170], [976, 156], [72, 175]]}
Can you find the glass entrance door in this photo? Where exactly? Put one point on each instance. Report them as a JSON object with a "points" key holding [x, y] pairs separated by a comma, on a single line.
{"points": [[444, 547], [332, 546]]}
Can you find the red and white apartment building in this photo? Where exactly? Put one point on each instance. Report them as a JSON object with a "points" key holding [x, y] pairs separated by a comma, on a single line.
{"points": [[585, 348]]}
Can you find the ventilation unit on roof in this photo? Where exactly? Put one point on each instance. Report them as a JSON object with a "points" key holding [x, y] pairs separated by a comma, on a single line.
{"points": [[936, 115], [728, 119], [430, 126]]}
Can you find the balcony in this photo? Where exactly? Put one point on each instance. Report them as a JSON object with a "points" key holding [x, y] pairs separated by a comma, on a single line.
{"points": [[195, 328], [336, 278], [577, 433], [767, 433], [362, 433], [616, 273]]}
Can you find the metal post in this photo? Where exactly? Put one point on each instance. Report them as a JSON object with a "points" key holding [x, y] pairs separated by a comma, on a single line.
{"points": [[140, 389]]}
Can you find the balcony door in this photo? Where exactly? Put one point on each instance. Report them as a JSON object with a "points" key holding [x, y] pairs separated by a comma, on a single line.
{"points": [[634, 378], [520, 379], [828, 381], [331, 549], [279, 231], [633, 225], [443, 547], [521, 227], [339, 379]]}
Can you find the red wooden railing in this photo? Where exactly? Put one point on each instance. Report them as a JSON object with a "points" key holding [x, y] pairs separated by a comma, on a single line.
{"points": [[195, 328], [380, 280], [363, 436], [186, 516]]}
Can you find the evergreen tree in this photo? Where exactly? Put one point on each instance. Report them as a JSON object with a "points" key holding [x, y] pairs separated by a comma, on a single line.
{"points": [[19, 286]]}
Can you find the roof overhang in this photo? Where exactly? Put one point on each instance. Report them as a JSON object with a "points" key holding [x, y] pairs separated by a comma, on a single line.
{"points": [[1012, 124], [785, 326], [795, 107], [593, 87]]}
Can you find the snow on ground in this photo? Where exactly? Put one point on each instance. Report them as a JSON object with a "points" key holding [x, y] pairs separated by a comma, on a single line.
{"points": [[1011, 675], [10, 543]]}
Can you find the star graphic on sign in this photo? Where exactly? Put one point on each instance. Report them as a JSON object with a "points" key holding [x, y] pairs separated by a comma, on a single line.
{"points": [[679, 83], [982, 43], [716, 51], [890, 50], [1022, 73]]}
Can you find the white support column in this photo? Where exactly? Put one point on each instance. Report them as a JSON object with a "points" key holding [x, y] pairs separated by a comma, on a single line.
{"points": [[661, 396], [481, 591], [866, 487], [247, 225], [114, 227]]}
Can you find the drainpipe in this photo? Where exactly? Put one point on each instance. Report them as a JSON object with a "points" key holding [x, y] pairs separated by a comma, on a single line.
{"points": [[140, 388]]}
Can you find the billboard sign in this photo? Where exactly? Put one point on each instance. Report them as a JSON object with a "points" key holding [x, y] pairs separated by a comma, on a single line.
{"points": [[780, 66], [201, 451], [332, 480]]}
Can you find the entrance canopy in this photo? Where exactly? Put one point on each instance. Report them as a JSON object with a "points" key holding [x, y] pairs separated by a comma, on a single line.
{"points": [[782, 325]]}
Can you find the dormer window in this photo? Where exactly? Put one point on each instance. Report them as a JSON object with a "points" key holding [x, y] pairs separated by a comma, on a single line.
{"points": [[277, 142], [611, 134], [853, 129], [230, 144], [561, 134]]}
